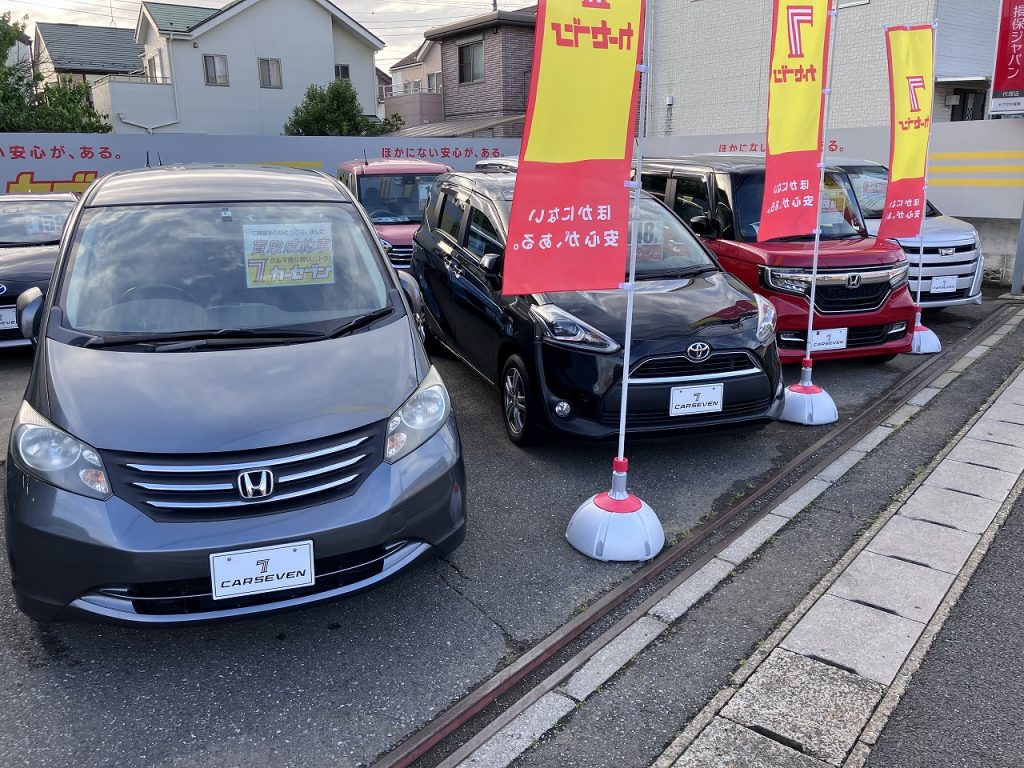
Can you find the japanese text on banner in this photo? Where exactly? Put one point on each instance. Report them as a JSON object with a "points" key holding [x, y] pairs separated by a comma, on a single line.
{"points": [[569, 224], [798, 76]]}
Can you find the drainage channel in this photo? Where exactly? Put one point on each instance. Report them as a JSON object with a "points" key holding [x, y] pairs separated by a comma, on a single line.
{"points": [[459, 731]]}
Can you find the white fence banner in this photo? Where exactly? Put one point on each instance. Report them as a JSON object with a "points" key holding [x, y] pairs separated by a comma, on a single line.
{"points": [[69, 162]]}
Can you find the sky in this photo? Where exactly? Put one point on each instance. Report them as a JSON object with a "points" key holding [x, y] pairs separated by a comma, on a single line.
{"points": [[399, 23]]}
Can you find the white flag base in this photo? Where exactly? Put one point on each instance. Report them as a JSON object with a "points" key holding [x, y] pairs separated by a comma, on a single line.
{"points": [[616, 526], [925, 341], [808, 404]]}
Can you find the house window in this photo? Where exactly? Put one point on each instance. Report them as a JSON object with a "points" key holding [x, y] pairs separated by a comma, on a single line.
{"points": [[270, 73], [341, 72], [434, 82], [153, 69], [471, 62], [215, 69]]}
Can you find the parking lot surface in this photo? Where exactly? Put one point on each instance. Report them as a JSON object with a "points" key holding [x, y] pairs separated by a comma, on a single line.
{"points": [[340, 684]]}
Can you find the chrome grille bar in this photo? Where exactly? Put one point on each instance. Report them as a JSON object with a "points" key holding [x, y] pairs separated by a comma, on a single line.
{"points": [[243, 503], [204, 468]]}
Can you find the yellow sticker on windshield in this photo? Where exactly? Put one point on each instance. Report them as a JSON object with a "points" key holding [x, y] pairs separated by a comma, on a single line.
{"points": [[278, 255]]}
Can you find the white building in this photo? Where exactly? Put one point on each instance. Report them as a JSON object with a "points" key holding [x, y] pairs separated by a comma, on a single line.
{"points": [[239, 69], [415, 91], [710, 62]]}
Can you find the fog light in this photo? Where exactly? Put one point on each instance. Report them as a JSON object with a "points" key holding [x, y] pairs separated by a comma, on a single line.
{"points": [[899, 328], [562, 408]]}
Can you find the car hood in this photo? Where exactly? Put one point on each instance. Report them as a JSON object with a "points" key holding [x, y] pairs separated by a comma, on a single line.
{"points": [[938, 231], [27, 263], [834, 254], [229, 400], [397, 234], [714, 304]]}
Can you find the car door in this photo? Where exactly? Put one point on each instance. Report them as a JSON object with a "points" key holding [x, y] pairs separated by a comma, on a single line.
{"points": [[692, 196], [476, 290], [439, 241]]}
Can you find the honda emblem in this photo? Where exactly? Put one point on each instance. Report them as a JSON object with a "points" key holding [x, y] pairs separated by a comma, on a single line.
{"points": [[255, 484], [853, 281]]}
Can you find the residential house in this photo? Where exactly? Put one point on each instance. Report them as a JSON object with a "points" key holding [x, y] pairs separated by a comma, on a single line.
{"points": [[709, 62], [237, 69], [383, 87], [486, 63], [20, 54], [85, 53], [415, 92]]}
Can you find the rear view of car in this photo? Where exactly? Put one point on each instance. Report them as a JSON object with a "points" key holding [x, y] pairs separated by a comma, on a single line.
{"points": [[394, 194], [30, 230], [952, 268], [230, 410]]}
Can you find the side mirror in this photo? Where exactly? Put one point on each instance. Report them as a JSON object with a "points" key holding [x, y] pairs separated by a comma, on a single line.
{"points": [[490, 263], [30, 312], [704, 226], [411, 291]]}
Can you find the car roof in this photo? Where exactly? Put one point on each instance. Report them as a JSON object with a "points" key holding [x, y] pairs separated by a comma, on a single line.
{"points": [[851, 162], [64, 197], [383, 167], [719, 163], [497, 184], [203, 183]]}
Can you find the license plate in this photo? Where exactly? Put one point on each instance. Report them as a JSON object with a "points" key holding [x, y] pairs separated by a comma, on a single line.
{"points": [[265, 569], [691, 400], [833, 338], [8, 319], [943, 284]]}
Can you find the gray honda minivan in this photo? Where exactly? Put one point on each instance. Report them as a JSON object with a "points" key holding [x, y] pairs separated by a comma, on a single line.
{"points": [[230, 410]]}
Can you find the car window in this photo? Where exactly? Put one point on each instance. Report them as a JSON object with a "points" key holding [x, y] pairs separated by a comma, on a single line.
{"points": [[30, 222], [723, 213], [691, 197], [870, 185], [482, 236], [664, 245], [171, 268], [656, 185], [395, 198], [451, 216], [840, 216]]}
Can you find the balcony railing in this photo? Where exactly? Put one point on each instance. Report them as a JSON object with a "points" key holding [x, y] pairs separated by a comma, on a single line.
{"points": [[133, 79], [408, 89]]}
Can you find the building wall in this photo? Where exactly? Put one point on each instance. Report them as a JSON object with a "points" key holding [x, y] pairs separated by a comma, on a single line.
{"points": [[301, 34], [712, 57], [508, 56], [966, 37]]}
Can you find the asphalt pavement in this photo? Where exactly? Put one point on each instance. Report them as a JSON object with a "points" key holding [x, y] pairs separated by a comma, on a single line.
{"points": [[338, 685]]}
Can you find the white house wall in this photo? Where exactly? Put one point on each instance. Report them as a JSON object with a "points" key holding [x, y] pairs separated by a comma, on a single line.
{"points": [[712, 58], [972, 25], [347, 49]]}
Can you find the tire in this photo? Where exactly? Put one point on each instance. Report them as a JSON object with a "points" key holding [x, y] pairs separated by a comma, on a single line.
{"points": [[518, 404]]}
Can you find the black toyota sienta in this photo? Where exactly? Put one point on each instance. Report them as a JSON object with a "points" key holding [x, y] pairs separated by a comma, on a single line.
{"points": [[704, 354], [230, 411]]}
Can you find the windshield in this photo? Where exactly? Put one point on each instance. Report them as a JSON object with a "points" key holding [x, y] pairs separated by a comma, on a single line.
{"points": [[32, 222], [840, 217], [177, 268], [664, 246], [397, 199], [870, 183]]}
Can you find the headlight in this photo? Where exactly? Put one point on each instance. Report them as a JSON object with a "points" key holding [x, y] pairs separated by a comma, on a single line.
{"points": [[418, 420], [786, 280], [564, 328], [766, 316], [977, 240], [55, 457], [899, 275]]}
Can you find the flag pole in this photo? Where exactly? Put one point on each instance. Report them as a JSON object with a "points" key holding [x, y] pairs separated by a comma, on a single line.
{"points": [[925, 340], [805, 402], [617, 525]]}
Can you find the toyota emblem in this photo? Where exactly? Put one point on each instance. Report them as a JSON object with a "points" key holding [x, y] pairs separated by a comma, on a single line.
{"points": [[698, 352], [255, 484]]}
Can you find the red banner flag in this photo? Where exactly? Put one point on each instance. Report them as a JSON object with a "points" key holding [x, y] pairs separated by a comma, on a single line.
{"points": [[911, 97], [1008, 79], [569, 226], [796, 110]]}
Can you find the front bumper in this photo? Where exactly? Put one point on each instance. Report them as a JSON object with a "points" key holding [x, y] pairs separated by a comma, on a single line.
{"points": [[966, 269], [592, 385], [872, 334], [78, 558]]}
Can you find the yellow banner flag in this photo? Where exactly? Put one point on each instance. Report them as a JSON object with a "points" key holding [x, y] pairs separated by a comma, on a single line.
{"points": [[911, 63]]}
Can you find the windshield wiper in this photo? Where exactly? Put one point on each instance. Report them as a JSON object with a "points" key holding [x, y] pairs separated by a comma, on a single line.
{"points": [[357, 322], [22, 244], [189, 338], [678, 273]]}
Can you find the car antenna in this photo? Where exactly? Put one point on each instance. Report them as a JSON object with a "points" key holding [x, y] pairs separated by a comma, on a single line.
{"points": [[147, 158], [366, 160], [159, 160]]}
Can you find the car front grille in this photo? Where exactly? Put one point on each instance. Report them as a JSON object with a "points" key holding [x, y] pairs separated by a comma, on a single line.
{"points": [[840, 298], [661, 418], [401, 255], [938, 250], [677, 367], [208, 485], [862, 336]]}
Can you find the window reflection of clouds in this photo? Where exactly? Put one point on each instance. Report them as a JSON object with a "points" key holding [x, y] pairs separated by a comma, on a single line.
{"points": [[194, 253]]}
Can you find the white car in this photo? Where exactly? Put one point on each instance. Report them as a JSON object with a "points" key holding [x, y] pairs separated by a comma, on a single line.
{"points": [[952, 268]]}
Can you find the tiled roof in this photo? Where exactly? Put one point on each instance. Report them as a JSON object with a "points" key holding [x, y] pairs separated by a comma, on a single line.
{"points": [[81, 48], [178, 18]]}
